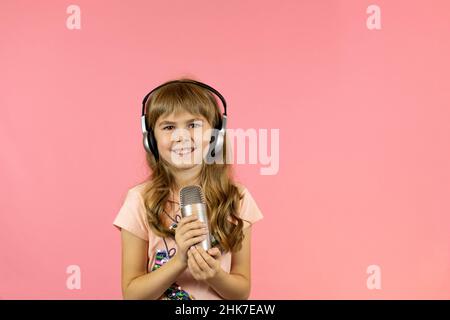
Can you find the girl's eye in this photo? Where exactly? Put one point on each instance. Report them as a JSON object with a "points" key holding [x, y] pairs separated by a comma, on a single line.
{"points": [[195, 125], [166, 127]]}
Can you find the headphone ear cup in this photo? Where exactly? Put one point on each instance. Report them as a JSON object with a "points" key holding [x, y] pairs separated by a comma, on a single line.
{"points": [[212, 146], [218, 143], [215, 146], [145, 142], [152, 144]]}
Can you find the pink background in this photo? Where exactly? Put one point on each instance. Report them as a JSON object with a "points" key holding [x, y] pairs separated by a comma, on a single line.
{"points": [[363, 114]]}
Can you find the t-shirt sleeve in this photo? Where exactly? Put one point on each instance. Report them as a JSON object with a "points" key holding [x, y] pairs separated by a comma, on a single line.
{"points": [[249, 211], [132, 217]]}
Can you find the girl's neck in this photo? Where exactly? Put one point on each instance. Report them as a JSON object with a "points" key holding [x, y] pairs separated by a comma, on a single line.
{"points": [[186, 177]]}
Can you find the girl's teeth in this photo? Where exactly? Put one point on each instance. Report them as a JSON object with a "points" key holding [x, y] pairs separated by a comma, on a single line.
{"points": [[184, 151]]}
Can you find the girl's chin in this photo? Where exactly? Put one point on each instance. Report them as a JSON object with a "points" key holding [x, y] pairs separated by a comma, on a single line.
{"points": [[184, 166], [183, 162]]}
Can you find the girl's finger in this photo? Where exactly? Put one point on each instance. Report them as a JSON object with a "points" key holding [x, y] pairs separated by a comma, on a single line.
{"points": [[193, 267], [207, 258], [186, 220], [194, 241], [190, 225], [203, 265], [215, 252]]}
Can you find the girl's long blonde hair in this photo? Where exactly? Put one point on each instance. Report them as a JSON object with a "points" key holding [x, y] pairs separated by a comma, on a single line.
{"points": [[221, 194]]}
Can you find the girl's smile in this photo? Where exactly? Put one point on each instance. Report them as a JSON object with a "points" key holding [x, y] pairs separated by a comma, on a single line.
{"points": [[183, 151]]}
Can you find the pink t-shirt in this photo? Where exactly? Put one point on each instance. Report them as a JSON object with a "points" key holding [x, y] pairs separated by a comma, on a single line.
{"points": [[132, 217]]}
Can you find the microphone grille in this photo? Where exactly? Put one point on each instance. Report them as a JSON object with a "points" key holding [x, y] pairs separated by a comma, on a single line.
{"points": [[190, 195]]}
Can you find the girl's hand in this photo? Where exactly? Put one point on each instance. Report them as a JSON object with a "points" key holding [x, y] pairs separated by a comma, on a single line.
{"points": [[189, 232], [204, 265]]}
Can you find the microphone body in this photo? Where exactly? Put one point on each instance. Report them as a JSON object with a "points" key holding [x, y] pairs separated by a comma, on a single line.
{"points": [[192, 202]]}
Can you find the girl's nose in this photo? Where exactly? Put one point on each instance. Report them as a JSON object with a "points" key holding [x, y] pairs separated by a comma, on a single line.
{"points": [[181, 135]]}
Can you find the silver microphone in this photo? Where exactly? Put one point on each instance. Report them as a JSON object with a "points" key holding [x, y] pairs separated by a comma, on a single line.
{"points": [[192, 201]]}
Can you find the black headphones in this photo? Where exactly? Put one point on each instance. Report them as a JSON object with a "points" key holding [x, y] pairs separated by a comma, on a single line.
{"points": [[217, 136]]}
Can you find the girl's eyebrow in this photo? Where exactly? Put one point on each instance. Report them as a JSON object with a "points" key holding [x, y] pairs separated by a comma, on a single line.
{"points": [[171, 122]]}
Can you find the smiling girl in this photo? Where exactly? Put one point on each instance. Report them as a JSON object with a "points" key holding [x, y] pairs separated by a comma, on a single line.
{"points": [[160, 256]]}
